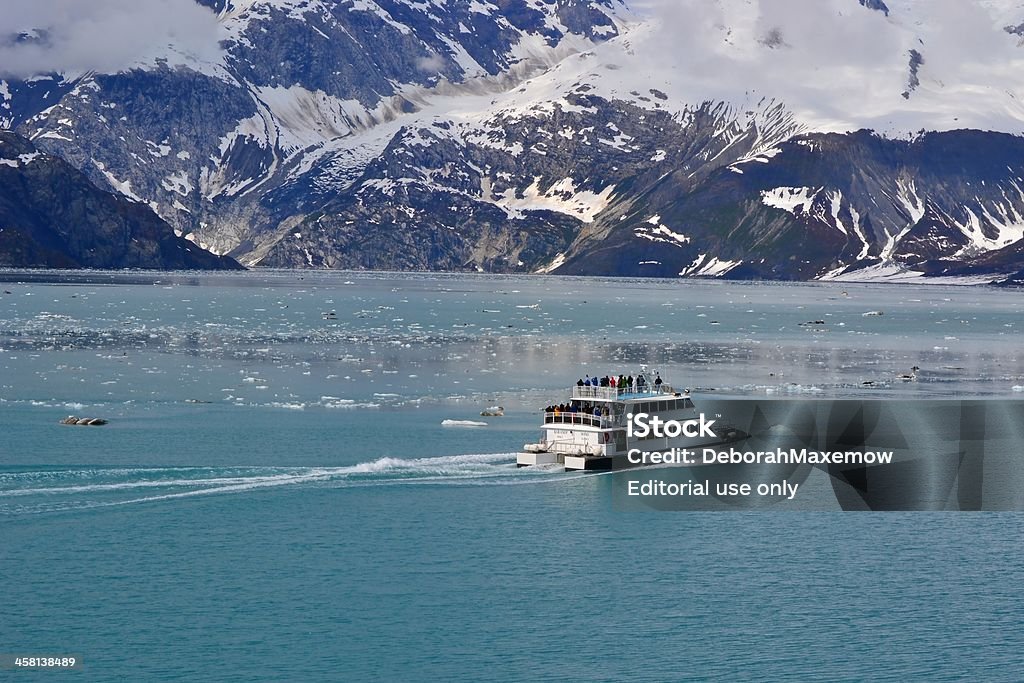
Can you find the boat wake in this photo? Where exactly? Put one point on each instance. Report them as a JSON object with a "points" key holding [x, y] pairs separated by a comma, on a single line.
{"points": [[33, 491]]}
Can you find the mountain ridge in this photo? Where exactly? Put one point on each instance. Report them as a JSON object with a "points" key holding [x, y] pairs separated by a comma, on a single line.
{"points": [[532, 136]]}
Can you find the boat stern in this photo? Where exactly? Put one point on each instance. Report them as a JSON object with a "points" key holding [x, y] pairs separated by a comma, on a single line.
{"points": [[531, 458]]}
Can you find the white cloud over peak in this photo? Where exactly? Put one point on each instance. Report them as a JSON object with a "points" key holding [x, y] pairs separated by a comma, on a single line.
{"points": [[839, 65], [76, 36]]}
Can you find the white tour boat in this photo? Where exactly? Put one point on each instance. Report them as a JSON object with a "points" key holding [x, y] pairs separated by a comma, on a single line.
{"points": [[589, 432]]}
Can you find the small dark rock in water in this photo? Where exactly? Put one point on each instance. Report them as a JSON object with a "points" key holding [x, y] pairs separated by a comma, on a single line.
{"points": [[89, 421]]}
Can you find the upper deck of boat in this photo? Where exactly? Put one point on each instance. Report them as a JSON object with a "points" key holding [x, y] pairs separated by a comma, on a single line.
{"points": [[625, 394]]}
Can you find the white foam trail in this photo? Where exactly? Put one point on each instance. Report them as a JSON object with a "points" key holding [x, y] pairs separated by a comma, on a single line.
{"points": [[484, 469], [120, 486]]}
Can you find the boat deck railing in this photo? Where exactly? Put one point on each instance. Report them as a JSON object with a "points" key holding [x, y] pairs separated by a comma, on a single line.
{"points": [[622, 393], [585, 419]]}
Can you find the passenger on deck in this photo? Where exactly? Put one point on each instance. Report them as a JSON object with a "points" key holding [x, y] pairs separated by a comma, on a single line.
{"points": [[629, 382], [640, 382], [657, 380], [622, 382], [579, 382]]}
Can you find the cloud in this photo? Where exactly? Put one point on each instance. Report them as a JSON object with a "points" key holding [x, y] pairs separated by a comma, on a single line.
{"points": [[75, 36], [432, 63], [840, 66]]}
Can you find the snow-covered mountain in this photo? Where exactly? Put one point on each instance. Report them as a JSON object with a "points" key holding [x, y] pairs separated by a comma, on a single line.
{"points": [[737, 138]]}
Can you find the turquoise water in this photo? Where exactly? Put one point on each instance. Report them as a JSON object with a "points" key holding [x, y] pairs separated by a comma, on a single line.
{"points": [[275, 497]]}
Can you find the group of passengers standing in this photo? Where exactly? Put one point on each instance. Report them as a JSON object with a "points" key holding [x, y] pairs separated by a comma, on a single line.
{"points": [[622, 382], [591, 413], [565, 409]]}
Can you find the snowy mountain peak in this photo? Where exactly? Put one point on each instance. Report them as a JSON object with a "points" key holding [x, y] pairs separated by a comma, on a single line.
{"points": [[673, 137]]}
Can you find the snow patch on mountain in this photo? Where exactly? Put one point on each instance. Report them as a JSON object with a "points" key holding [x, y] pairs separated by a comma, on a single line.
{"points": [[895, 273], [793, 200], [122, 186], [561, 197], [305, 118], [556, 263], [703, 266], [655, 231], [370, 6], [20, 160], [1006, 222], [179, 184]]}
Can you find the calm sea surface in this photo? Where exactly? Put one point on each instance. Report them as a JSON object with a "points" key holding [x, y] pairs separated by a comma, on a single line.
{"points": [[275, 496]]}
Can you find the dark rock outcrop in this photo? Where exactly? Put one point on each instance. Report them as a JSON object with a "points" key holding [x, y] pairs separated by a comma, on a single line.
{"points": [[52, 216]]}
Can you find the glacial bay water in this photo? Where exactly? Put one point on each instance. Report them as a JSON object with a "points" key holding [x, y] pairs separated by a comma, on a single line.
{"points": [[275, 496]]}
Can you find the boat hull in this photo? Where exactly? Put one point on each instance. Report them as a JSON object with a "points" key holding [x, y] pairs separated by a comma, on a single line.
{"points": [[528, 459], [621, 460]]}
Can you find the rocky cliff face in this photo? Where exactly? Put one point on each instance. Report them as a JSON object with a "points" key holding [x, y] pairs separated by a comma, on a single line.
{"points": [[555, 136], [51, 216], [942, 203], [520, 190], [307, 95]]}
